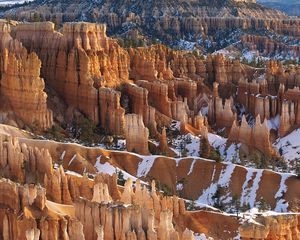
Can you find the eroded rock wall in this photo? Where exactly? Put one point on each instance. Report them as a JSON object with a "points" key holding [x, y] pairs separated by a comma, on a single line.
{"points": [[77, 61], [21, 88]]}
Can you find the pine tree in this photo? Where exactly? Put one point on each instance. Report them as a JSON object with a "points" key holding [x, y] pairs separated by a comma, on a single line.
{"points": [[205, 150], [121, 181], [263, 205], [236, 204]]}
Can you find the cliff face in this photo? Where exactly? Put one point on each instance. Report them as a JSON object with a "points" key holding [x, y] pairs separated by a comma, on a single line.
{"points": [[168, 21], [61, 194], [269, 47], [257, 137], [279, 190], [276, 95], [112, 115], [66, 205], [136, 134], [21, 88], [76, 62], [270, 227]]}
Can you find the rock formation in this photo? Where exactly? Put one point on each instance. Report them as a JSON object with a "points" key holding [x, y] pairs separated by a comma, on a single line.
{"points": [[269, 47], [22, 89], [136, 134], [172, 23], [284, 226], [257, 137], [138, 104], [23, 163], [177, 99], [92, 60], [112, 115]]}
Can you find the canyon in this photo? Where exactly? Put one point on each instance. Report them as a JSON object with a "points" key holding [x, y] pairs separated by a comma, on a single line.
{"points": [[99, 140]]}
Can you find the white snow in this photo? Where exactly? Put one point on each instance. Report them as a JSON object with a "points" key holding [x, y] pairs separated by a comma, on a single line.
{"points": [[204, 111], [13, 2], [274, 123], [188, 142], [251, 198], [104, 168], [202, 236], [72, 159], [145, 165], [175, 125], [250, 55], [282, 205], [289, 146], [192, 167], [110, 169], [230, 153], [223, 181], [63, 155], [251, 215], [245, 190], [73, 173], [186, 45], [179, 187]]}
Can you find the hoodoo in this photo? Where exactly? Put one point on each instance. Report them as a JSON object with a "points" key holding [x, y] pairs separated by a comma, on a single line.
{"points": [[149, 120]]}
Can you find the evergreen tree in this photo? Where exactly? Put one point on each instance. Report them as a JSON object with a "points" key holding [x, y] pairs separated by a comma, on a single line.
{"points": [[204, 150], [263, 205], [121, 181], [236, 204]]}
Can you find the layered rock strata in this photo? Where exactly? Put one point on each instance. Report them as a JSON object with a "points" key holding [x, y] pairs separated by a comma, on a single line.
{"points": [[77, 61], [137, 134], [257, 137], [112, 115], [269, 47], [173, 22], [21, 88]]}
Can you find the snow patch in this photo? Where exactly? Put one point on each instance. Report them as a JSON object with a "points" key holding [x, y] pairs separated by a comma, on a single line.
{"points": [[274, 123], [192, 167], [223, 182], [289, 146], [63, 155], [282, 205], [72, 159], [145, 165]]}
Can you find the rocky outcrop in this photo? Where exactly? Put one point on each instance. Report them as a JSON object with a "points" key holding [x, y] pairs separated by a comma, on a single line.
{"points": [[224, 115], [138, 104], [112, 115], [271, 98], [287, 118], [77, 61], [145, 214], [172, 22], [276, 74], [23, 163], [159, 62], [271, 227], [93, 206], [257, 137], [157, 96], [21, 88], [269, 47], [136, 134], [150, 64], [225, 71]]}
